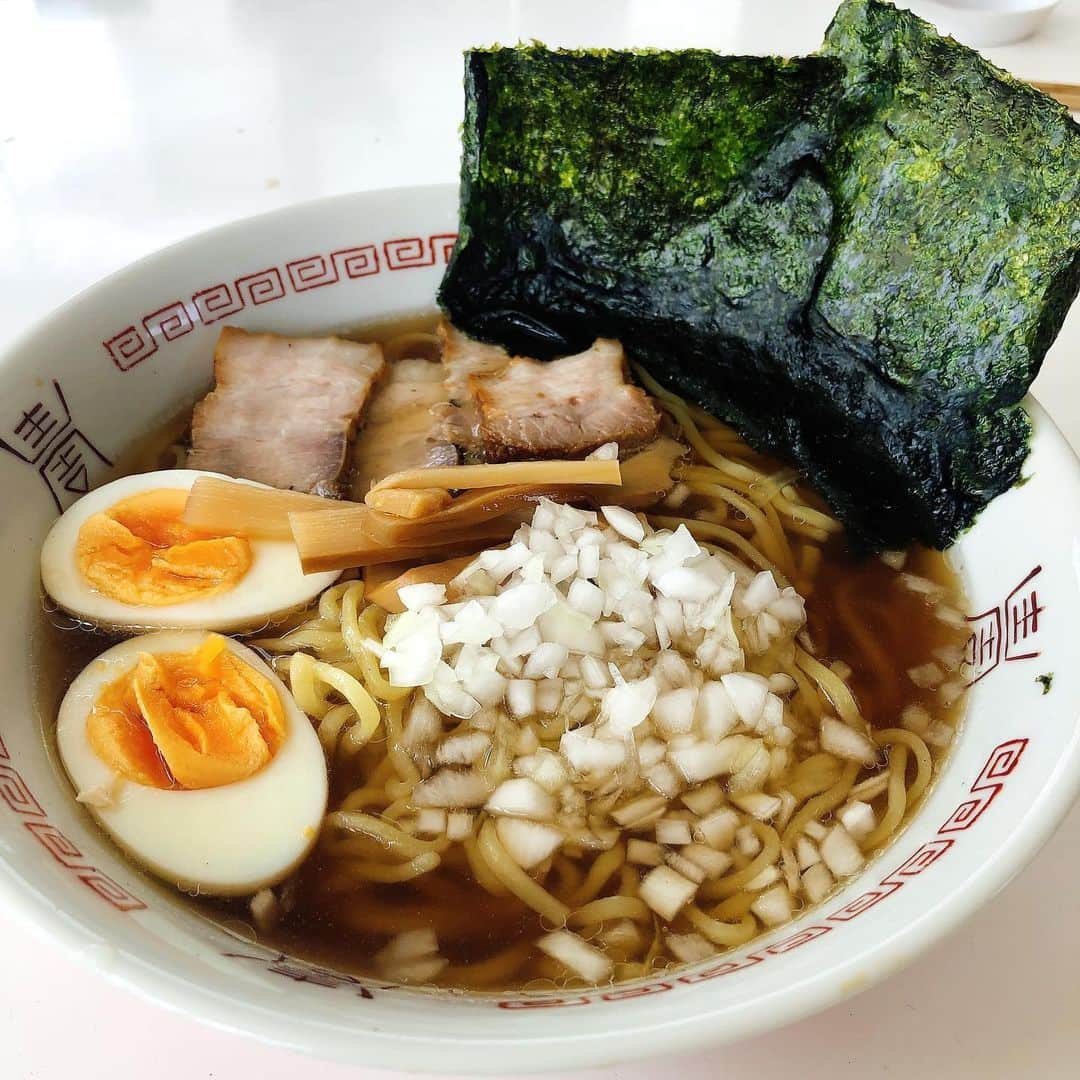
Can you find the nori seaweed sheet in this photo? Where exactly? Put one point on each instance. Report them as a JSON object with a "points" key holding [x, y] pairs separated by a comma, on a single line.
{"points": [[859, 259]]}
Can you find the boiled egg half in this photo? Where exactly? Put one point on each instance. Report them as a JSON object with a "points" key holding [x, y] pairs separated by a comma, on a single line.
{"points": [[123, 557], [195, 758]]}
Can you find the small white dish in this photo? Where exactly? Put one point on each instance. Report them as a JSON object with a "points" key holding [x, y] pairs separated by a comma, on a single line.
{"points": [[127, 354], [986, 22]]}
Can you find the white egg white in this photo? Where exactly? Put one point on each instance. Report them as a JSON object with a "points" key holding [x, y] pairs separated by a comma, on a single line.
{"points": [[273, 585], [225, 841]]}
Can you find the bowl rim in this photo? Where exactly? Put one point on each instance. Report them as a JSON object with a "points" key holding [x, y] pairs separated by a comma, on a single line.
{"points": [[371, 1046]]}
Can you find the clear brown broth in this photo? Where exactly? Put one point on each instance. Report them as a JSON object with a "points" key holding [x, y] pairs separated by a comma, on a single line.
{"points": [[857, 614]]}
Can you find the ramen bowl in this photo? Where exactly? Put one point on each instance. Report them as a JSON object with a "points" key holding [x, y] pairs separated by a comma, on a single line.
{"points": [[118, 361]]}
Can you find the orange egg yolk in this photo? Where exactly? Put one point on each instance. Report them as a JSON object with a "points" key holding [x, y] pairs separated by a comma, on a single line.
{"points": [[188, 720], [139, 551]]}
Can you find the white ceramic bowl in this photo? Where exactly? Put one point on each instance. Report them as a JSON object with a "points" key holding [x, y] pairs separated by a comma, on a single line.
{"points": [[112, 363]]}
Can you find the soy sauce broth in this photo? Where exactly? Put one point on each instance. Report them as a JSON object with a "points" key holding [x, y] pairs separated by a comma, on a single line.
{"points": [[860, 615]]}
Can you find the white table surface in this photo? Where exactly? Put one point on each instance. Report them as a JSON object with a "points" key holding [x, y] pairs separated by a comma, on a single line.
{"points": [[129, 124]]}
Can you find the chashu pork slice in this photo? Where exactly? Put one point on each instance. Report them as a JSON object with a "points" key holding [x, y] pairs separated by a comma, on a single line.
{"points": [[462, 359], [283, 411], [401, 428], [562, 408]]}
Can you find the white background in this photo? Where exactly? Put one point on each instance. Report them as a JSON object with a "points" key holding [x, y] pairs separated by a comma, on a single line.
{"points": [[127, 125]]}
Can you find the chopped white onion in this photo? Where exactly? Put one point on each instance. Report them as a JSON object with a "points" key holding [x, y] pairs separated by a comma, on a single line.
{"points": [[754, 768], [410, 957], [950, 616], [549, 695], [550, 771], [651, 751], [625, 707], [527, 741], [642, 809], [412, 648], [689, 948], [817, 882], [840, 852], [519, 606], [446, 693], [589, 755], [485, 720], [664, 779], [773, 907], [671, 613], [806, 853], [939, 734], [690, 870], [789, 610], [524, 765], [609, 451], [521, 797], [858, 818], [463, 748], [528, 843], [586, 598], [595, 673], [644, 852], [575, 953], [471, 625], [747, 841], [500, 563], [687, 584], [782, 684], [589, 562], [459, 825], [624, 522], [703, 799], [758, 595], [758, 804], [714, 863], [673, 712], [477, 668], [431, 822], [894, 559], [748, 693], [675, 549], [673, 832], [772, 715], [422, 723], [926, 676], [450, 787], [715, 712], [922, 586], [622, 635], [718, 828], [622, 934], [424, 594], [666, 891], [563, 625], [546, 661], [265, 910], [704, 760], [521, 697], [950, 692], [523, 642], [845, 742], [408, 945], [563, 569]]}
